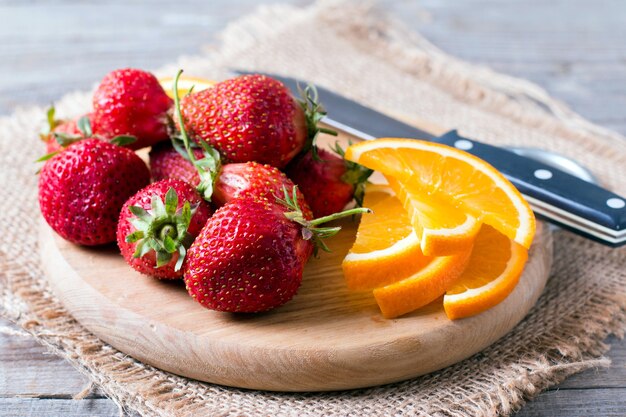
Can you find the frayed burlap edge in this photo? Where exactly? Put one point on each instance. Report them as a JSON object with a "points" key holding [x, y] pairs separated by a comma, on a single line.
{"points": [[576, 344]]}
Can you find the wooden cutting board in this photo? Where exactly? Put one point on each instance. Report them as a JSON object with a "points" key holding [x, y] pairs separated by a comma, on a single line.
{"points": [[326, 338]]}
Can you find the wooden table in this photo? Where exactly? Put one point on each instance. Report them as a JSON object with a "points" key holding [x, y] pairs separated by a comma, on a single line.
{"points": [[575, 49]]}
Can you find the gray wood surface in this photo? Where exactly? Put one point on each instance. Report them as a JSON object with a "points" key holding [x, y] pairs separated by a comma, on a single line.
{"points": [[575, 49]]}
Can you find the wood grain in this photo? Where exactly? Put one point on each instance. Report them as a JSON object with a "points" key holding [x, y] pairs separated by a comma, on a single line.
{"points": [[602, 402], [27, 370], [309, 344], [58, 407], [573, 48]]}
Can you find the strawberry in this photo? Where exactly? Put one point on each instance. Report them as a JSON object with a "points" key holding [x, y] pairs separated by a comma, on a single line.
{"points": [[158, 224], [131, 102], [232, 181], [83, 188], [167, 162], [62, 133], [222, 183], [328, 181], [250, 255], [250, 118], [253, 179]]}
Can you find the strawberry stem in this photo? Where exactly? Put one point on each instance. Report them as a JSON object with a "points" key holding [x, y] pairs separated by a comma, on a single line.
{"points": [[310, 229], [179, 116], [209, 166], [339, 215]]}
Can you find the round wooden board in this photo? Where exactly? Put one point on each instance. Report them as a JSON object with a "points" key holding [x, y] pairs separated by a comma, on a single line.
{"points": [[326, 338]]}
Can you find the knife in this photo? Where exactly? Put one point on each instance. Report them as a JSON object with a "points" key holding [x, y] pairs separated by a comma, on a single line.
{"points": [[554, 195]]}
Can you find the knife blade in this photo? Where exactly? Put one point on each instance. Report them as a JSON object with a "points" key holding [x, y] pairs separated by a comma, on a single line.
{"points": [[554, 195]]}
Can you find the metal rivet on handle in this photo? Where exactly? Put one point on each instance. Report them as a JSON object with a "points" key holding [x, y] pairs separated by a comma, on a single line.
{"points": [[616, 203], [543, 174], [463, 144]]}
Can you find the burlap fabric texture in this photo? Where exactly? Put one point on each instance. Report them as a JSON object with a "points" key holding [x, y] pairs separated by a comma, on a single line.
{"points": [[352, 50]]}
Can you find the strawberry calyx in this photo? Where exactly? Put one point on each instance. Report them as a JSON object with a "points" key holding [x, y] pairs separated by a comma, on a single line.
{"points": [[314, 112], [162, 229], [311, 229], [84, 126], [66, 139], [209, 166], [355, 175]]}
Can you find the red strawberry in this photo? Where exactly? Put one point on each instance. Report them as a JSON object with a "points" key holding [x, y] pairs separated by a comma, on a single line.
{"points": [[247, 118], [131, 102], [250, 255], [233, 180], [83, 188], [328, 182], [158, 224], [166, 162], [256, 180]]}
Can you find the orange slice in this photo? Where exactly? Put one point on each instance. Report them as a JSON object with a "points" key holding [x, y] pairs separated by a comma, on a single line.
{"points": [[423, 287], [386, 248], [442, 228], [492, 273], [185, 84], [448, 178]]}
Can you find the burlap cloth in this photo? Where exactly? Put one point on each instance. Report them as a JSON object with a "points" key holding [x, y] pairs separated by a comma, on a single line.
{"points": [[353, 50]]}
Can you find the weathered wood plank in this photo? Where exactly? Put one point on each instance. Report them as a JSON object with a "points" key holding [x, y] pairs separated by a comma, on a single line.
{"points": [[577, 403], [612, 377], [571, 403], [69, 45], [572, 48], [34, 407], [28, 370]]}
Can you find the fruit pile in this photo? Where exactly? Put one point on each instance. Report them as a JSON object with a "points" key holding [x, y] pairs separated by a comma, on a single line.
{"points": [[237, 192], [219, 211], [447, 224]]}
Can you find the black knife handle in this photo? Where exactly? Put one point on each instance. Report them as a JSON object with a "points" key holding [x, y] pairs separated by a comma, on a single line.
{"points": [[586, 205]]}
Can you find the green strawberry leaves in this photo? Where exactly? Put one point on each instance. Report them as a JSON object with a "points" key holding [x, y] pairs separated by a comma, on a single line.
{"points": [[171, 202], [209, 169], [123, 140], [311, 229], [355, 174], [46, 157], [162, 229], [52, 122], [84, 125], [66, 139], [314, 112]]}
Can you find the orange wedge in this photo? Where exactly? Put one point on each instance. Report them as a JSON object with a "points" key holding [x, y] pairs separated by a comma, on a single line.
{"points": [[185, 85], [442, 229], [492, 273], [386, 248], [423, 287], [447, 179]]}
